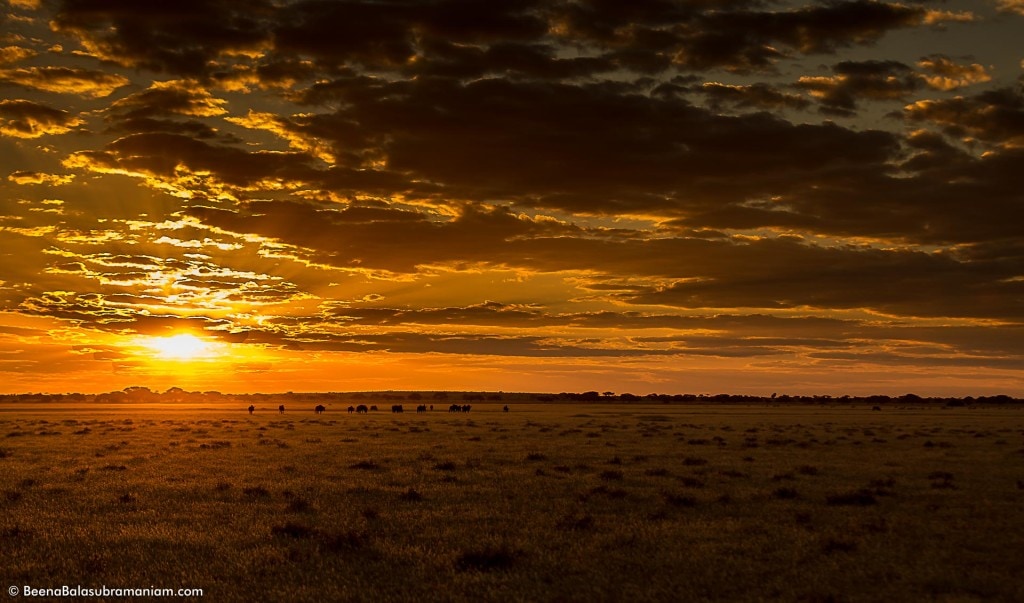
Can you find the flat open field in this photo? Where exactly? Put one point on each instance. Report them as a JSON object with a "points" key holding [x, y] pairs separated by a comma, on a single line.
{"points": [[566, 502]]}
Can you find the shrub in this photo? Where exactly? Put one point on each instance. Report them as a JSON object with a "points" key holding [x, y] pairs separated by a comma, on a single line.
{"points": [[292, 530], [367, 465], [487, 559], [679, 501], [341, 542], [860, 498], [574, 523], [298, 505], [411, 495], [838, 546]]}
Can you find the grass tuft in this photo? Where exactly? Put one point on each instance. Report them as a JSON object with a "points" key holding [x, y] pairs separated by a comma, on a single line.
{"points": [[411, 495], [859, 498], [679, 501], [487, 559], [256, 492], [574, 523], [292, 529], [366, 465]]}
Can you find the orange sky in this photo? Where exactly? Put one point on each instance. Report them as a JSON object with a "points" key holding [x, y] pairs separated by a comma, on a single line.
{"points": [[639, 197]]}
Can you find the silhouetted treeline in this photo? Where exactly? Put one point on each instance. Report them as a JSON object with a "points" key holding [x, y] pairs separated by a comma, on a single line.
{"points": [[178, 395]]}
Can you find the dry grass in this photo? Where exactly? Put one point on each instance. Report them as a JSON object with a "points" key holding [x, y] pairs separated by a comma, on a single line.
{"points": [[548, 502]]}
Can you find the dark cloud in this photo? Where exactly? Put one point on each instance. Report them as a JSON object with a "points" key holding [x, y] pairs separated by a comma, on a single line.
{"points": [[463, 38], [807, 276], [590, 147], [714, 273], [169, 98], [161, 154], [27, 119], [993, 116], [755, 96], [736, 35], [855, 81], [183, 37], [164, 107]]}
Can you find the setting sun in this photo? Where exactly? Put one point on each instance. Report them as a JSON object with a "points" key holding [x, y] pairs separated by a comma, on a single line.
{"points": [[182, 347]]}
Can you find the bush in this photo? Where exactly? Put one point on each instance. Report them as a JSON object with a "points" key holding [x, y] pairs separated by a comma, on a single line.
{"points": [[487, 559], [860, 498]]}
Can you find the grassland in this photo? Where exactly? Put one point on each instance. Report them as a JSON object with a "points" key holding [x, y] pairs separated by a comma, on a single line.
{"points": [[548, 502]]}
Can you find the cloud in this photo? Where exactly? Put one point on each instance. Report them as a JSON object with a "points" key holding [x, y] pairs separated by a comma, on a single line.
{"points": [[27, 119], [993, 116], [65, 80], [944, 74], [177, 97], [183, 39], [865, 80], [458, 38], [1011, 6], [698, 273], [162, 107], [585, 147], [754, 96], [26, 177], [13, 54], [175, 159], [736, 36], [815, 277]]}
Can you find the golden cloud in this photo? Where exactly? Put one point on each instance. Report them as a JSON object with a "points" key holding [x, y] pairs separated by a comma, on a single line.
{"points": [[13, 54], [65, 80], [26, 177], [1011, 6], [26, 119], [946, 75]]}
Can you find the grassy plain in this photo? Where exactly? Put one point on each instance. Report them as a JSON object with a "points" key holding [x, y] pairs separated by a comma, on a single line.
{"points": [[549, 502]]}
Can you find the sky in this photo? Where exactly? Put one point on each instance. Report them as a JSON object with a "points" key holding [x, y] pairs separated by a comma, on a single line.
{"points": [[692, 196]]}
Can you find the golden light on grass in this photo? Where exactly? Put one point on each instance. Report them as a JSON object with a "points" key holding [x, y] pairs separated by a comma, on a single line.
{"points": [[183, 347]]}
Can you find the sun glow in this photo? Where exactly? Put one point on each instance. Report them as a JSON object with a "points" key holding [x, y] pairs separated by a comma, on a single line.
{"points": [[183, 347]]}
